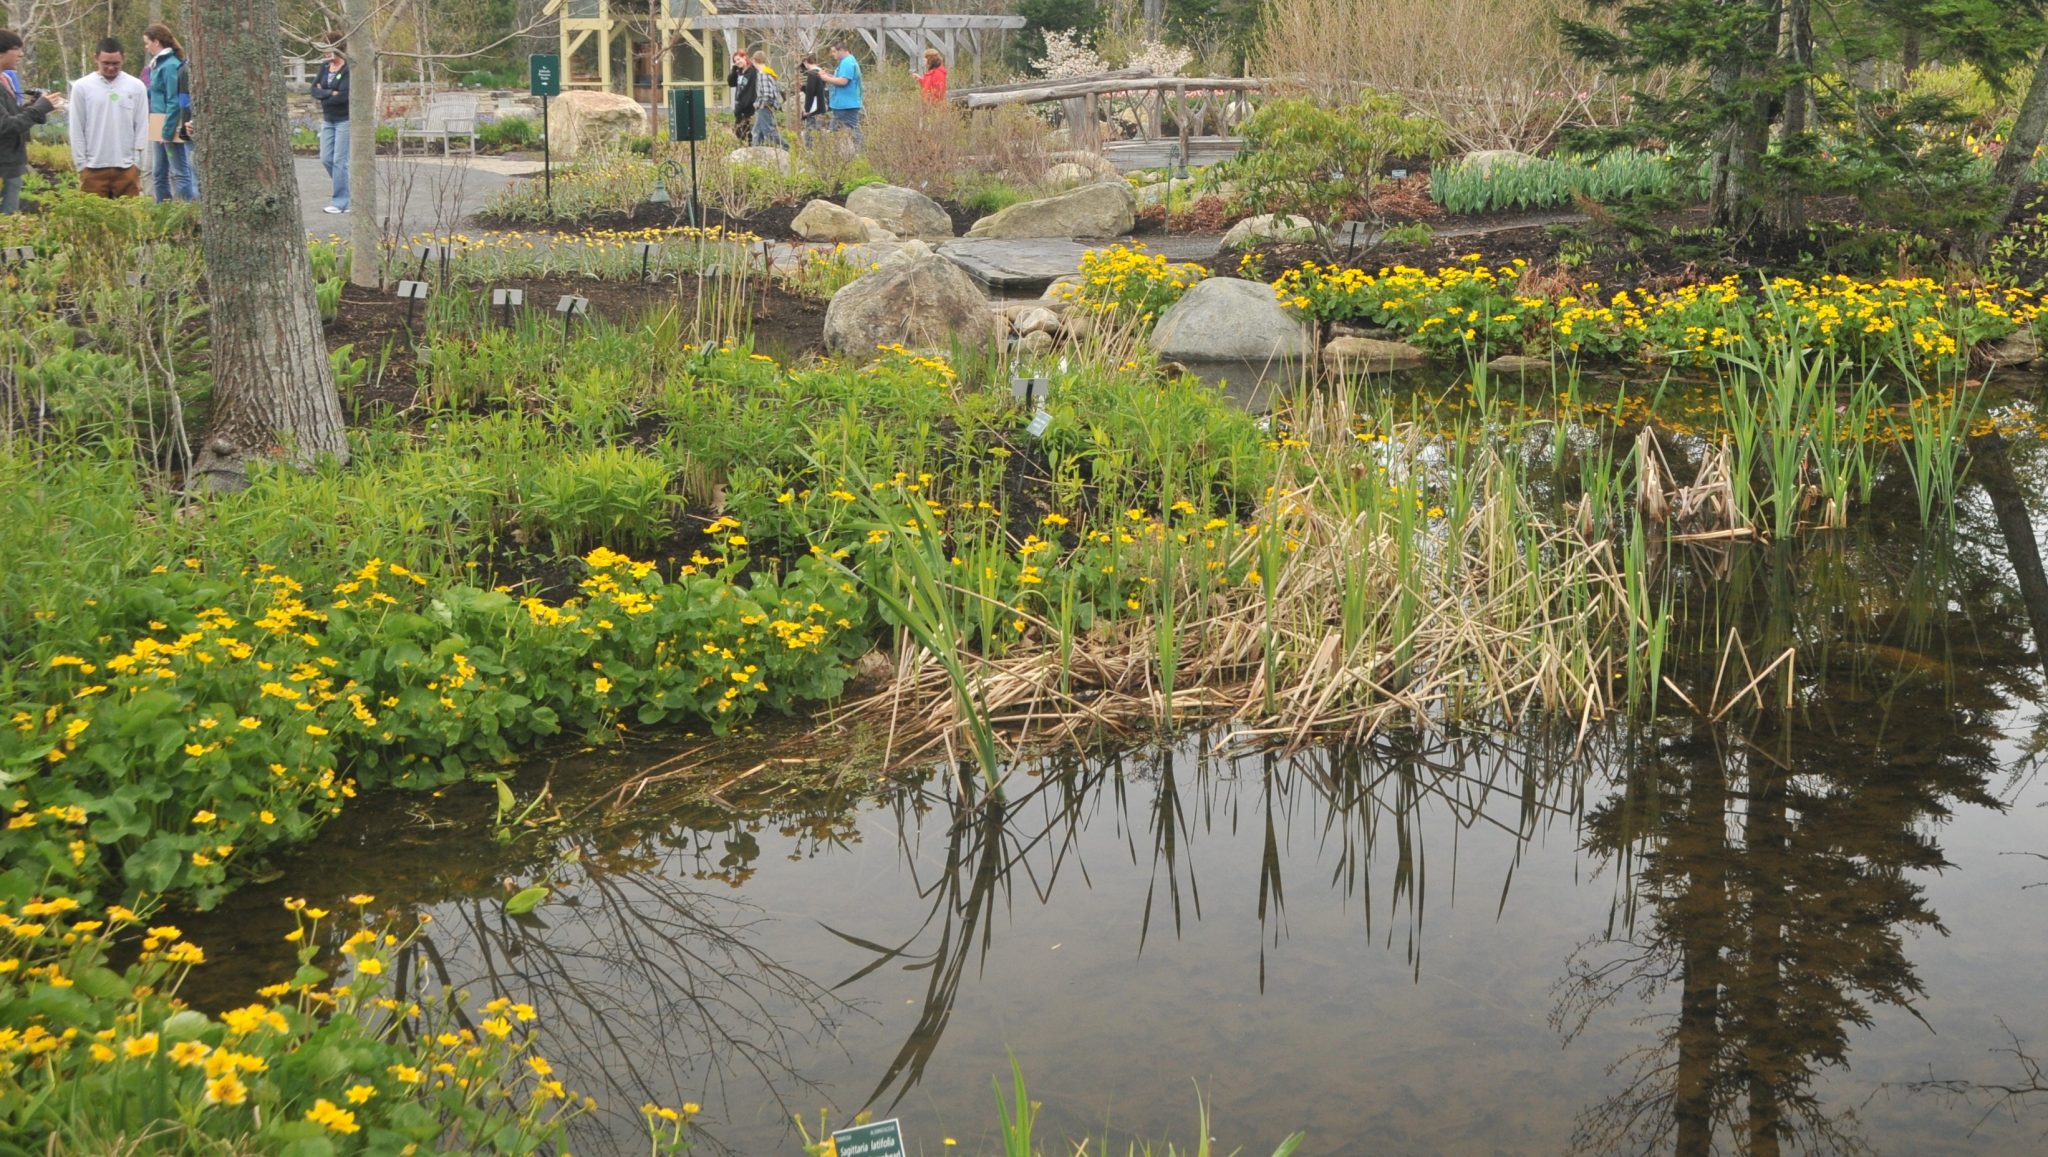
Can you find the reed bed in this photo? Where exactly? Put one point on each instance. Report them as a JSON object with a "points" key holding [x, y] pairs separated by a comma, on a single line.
{"points": [[1361, 607]]}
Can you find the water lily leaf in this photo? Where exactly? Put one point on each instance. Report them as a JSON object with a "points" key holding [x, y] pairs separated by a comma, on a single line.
{"points": [[526, 900]]}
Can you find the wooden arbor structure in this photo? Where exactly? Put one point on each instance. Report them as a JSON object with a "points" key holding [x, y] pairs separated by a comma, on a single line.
{"points": [[699, 39]]}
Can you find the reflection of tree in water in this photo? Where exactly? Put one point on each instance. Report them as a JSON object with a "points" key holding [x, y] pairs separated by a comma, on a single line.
{"points": [[649, 983], [1773, 853]]}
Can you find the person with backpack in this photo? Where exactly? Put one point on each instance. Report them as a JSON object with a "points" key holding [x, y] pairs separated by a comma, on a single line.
{"points": [[170, 112], [767, 98], [21, 109]]}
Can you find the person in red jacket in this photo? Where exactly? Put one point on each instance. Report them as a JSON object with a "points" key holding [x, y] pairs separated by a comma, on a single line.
{"points": [[933, 82]]}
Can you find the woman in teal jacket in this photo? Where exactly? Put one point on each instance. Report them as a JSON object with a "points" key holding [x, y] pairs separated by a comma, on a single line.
{"points": [[171, 150]]}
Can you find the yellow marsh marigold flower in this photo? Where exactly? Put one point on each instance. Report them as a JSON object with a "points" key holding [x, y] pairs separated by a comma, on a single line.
{"points": [[333, 1116], [188, 1053], [142, 1046], [357, 1094], [226, 1089]]}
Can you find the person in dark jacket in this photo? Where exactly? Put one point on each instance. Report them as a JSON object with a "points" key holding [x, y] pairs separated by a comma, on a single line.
{"points": [[813, 93], [330, 92], [21, 109], [744, 80]]}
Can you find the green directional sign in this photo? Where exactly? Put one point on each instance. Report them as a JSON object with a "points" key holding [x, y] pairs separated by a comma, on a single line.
{"points": [[881, 1139], [544, 74]]}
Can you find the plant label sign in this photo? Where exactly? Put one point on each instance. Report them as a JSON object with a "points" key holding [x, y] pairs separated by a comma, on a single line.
{"points": [[1040, 423], [544, 74], [881, 1139]]}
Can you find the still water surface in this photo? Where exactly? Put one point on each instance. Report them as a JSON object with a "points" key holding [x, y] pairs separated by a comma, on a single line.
{"points": [[1680, 933]]}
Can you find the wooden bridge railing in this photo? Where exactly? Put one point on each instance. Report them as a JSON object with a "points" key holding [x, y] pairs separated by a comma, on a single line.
{"points": [[1132, 107]]}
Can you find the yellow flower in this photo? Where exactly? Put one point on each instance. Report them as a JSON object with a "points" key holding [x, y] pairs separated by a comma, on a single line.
{"points": [[226, 1089], [188, 1053], [333, 1116], [142, 1046], [357, 1094]]}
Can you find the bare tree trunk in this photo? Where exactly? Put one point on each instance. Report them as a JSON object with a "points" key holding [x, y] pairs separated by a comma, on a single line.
{"points": [[273, 392], [365, 230], [2017, 156], [1788, 204]]}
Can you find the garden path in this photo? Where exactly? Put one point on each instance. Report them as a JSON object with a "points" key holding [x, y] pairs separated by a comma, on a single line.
{"points": [[430, 194]]}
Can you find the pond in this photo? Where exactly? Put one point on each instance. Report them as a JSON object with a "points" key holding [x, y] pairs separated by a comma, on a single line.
{"points": [[1752, 919]]}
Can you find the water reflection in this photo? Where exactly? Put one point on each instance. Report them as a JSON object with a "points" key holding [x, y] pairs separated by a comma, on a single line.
{"points": [[1719, 908]]}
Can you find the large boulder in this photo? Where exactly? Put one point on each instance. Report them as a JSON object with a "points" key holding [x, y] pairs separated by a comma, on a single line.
{"points": [[1269, 227], [1227, 319], [924, 303], [583, 123], [824, 221], [1106, 209], [760, 157], [1067, 174], [904, 212]]}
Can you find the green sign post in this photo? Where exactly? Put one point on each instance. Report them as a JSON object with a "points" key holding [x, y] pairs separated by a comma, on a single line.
{"points": [[544, 79], [881, 1139]]}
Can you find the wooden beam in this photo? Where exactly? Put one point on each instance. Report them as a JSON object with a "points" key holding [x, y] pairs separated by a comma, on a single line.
{"points": [[1094, 87], [857, 22]]}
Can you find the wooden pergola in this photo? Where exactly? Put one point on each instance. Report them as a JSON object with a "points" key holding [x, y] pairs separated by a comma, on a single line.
{"points": [[694, 32]]}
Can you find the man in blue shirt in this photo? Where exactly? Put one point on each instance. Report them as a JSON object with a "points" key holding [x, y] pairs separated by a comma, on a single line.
{"points": [[843, 97]]}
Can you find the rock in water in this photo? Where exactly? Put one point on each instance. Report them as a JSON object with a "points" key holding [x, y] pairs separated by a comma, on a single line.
{"points": [[1106, 209], [904, 212], [1372, 356], [924, 303], [824, 221], [1227, 319]]}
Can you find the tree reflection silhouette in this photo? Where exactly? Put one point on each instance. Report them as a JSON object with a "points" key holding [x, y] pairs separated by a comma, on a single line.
{"points": [[1774, 853]]}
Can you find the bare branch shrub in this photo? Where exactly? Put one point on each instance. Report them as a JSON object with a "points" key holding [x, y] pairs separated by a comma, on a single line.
{"points": [[1496, 73], [932, 147]]}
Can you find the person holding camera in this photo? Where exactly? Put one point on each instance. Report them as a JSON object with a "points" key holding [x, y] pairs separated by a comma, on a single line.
{"points": [[109, 126], [21, 110], [170, 109]]}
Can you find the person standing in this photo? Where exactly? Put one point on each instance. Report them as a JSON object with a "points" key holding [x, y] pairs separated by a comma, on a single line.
{"points": [[812, 97], [767, 98], [21, 110], [170, 153], [933, 81], [109, 126], [742, 78], [843, 93], [330, 92]]}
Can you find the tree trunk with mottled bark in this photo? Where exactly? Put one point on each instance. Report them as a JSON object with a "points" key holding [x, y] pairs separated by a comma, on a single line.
{"points": [[2029, 125], [365, 231], [273, 392]]}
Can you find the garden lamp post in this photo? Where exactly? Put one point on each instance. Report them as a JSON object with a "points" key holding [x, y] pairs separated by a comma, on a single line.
{"points": [[659, 196]]}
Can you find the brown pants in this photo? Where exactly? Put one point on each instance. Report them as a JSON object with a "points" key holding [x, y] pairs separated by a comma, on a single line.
{"points": [[111, 182]]}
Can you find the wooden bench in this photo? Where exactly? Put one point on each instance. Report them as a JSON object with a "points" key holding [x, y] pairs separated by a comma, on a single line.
{"points": [[447, 117]]}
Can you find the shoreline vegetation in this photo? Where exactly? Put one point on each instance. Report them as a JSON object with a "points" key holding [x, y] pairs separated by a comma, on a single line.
{"points": [[642, 522]]}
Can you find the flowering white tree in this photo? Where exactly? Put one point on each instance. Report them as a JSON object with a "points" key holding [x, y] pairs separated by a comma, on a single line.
{"points": [[1070, 54]]}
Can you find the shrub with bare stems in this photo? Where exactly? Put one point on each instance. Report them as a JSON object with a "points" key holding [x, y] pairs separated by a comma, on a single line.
{"points": [[1496, 73]]}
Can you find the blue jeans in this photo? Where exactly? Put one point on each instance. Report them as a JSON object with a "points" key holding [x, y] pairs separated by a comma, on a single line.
{"points": [[334, 155], [848, 119], [765, 132], [10, 194], [171, 170]]}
